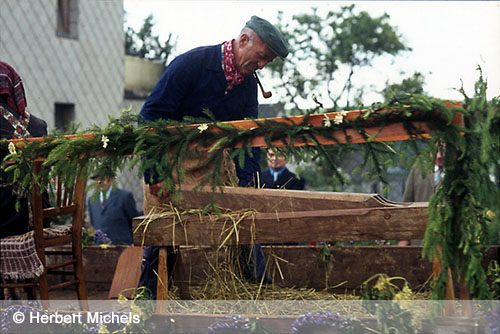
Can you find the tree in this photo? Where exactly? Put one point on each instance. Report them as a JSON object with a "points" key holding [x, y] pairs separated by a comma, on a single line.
{"points": [[410, 85], [146, 45], [332, 47]]}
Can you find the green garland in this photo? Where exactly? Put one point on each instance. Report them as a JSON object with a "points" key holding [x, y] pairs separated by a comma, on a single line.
{"points": [[458, 211], [467, 199]]}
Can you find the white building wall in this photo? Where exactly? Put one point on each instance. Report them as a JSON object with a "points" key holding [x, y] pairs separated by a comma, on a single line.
{"points": [[87, 71]]}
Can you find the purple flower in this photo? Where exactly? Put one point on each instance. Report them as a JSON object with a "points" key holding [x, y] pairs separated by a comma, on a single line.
{"points": [[310, 321], [493, 318], [231, 324], [101, 238]]}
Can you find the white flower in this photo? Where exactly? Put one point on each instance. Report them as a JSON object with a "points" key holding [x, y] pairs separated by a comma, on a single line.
{"points": [[339, 118], [202, 127], [327, 121], [12, 148], [105, 141], [344, 112]]}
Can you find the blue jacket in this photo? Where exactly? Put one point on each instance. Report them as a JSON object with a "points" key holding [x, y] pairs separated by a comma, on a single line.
{"points": [[195, 81], [114, 217], [286, 180]]}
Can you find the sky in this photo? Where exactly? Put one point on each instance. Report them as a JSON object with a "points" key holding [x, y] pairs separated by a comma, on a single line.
{"points": [[449, 39]]}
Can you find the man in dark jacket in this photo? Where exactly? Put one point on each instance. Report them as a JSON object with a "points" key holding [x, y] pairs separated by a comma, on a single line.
{"points": [[219, 78], [113, 211], [278, 176]]}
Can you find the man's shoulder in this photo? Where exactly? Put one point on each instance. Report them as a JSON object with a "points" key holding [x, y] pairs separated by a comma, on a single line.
{"points": [[288, 172], [202, 52], [122, 191], [204, 49]]}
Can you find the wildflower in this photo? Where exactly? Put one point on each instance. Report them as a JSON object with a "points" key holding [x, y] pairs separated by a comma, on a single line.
{"points": [[203, 127], [12, 148], [105, 141], [327, 121], [338, 119]]}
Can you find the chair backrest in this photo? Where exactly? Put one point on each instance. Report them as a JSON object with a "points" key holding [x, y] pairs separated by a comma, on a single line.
{"points": [[66, 201]]}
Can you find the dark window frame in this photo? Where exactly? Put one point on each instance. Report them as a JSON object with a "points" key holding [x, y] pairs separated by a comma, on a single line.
{"points": [[67, 19]]}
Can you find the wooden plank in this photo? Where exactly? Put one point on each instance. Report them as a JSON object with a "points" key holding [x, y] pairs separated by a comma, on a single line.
{"points": [[407, 222], [390, 132], [281, 200], [162, 287], [348, 268], [127, 273], [303, 266]]}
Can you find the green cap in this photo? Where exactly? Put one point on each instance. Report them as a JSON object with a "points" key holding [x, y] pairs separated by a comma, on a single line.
{"points": [[274, 40]]}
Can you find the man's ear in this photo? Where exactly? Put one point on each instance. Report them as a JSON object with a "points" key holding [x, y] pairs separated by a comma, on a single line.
{"points": [[243, 40]]}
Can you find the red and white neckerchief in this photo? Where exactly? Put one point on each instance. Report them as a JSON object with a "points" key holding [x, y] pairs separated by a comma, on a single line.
{"points": [[20, 125], [233, 76]]}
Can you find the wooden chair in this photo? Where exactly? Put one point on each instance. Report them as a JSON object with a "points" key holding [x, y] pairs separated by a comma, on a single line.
{"points": [[67, 202]]}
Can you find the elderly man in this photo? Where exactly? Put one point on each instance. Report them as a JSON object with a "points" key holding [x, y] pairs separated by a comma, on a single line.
{"points": [[278, 176], [113, 211], [219, 78]]}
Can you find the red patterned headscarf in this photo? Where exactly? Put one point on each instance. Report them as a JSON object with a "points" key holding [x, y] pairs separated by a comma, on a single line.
{"points": [[233, 76], [11, 85]]}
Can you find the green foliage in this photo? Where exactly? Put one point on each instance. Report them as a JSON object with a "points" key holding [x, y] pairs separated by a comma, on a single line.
{"points": [[459, 212], [410, 85], [467, 198], [391, 317], [494, 277], [329, 44], [145, 44]]}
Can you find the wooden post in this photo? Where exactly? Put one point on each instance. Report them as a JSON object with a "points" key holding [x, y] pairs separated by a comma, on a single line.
{"points": [[162, 287]]}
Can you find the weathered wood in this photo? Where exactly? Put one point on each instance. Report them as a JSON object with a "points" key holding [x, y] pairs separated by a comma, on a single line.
{"points": [[408, 222], [162, 287], [348, 268], [280, 200], [127, 273], [390, 132], [303, 266]]}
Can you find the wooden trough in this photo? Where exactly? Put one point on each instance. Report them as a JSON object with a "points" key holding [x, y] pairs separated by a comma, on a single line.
{"points": [[283, 216], [286, 216]]}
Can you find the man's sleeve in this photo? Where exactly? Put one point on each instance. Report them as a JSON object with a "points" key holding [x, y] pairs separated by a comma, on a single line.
{"points": [[166, 96], [164, 100], [247, 175], [130, 207], [409, 193]]}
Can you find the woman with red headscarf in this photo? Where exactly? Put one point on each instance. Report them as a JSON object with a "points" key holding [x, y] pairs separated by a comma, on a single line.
{"points": [[15, 122]]}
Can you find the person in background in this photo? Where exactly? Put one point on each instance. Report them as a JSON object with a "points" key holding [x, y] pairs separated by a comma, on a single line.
{"points": [[16, 122], [112, 211], [420, 187], [278, 176], [222, 79]]}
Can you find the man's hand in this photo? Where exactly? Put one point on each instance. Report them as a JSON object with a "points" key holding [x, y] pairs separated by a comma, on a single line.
{"points": [[154, 189]]}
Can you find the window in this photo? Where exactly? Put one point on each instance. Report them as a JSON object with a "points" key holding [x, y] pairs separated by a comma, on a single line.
{"points": [[65, 114], [67, 18]]}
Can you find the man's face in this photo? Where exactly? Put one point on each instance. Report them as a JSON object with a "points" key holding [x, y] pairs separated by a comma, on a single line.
{"points": [[275, 161], [103, 183], [440, 156], [252, 55]]}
